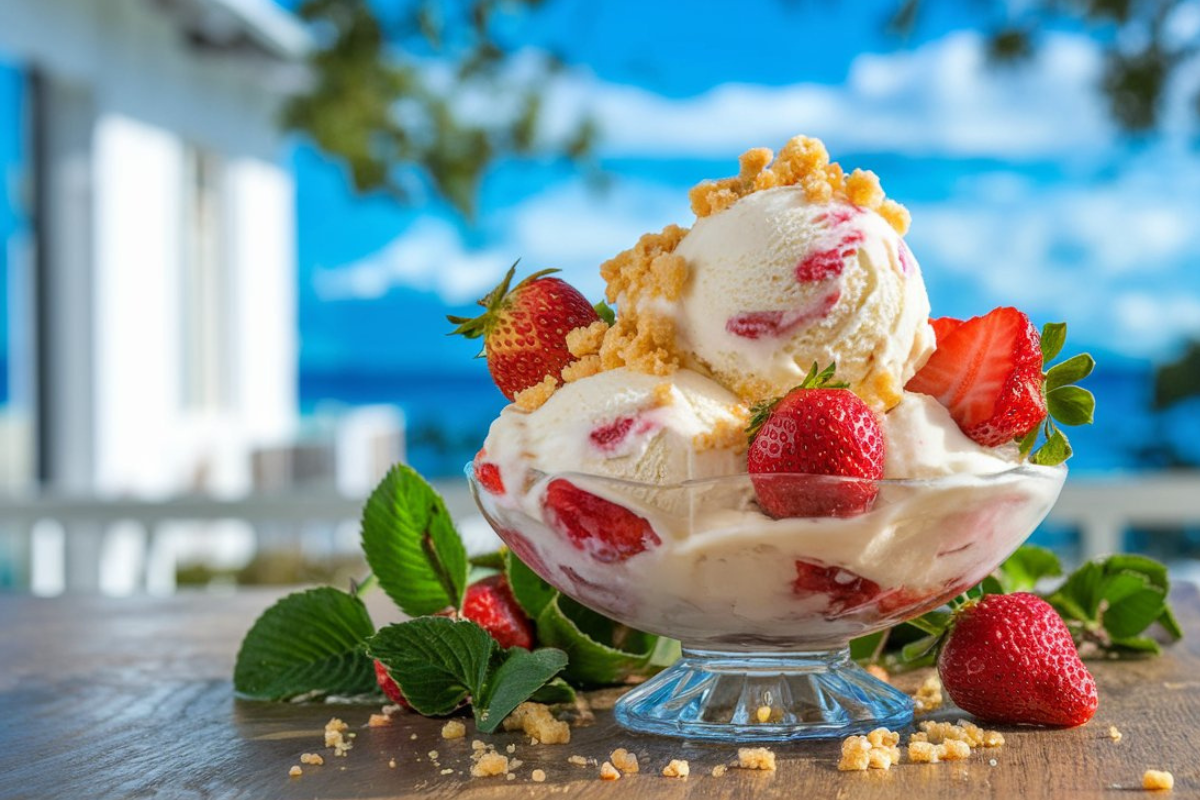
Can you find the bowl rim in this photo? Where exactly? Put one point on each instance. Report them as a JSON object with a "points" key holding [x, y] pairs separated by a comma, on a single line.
{"points": [[1019, 471]]}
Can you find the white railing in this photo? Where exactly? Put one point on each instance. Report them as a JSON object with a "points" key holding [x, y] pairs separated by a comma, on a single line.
{"points": [[1100, 509]]}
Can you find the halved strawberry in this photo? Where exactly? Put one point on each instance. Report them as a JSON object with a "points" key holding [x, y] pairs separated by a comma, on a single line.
{"points": [[988, 372], [525, 330], [605, 530], [943, 327], [816, 452]]}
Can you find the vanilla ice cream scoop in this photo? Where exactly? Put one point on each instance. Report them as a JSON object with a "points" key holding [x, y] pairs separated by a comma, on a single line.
{"points": [[776, 283], [922, 440], [624, 424]]}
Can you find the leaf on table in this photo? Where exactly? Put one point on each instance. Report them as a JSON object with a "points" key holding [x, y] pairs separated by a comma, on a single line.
{"points": [[440, 663], [411, 544], [519, 675], [309, 643], [437, 662]]}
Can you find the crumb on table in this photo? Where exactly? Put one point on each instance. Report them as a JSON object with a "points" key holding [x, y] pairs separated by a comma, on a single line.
{"points": [[608, 772], [676, 768], [624, 760], [1153, 779], [453, 729], [756, 758]]}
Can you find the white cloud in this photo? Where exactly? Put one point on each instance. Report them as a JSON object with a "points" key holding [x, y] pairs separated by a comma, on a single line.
{"points": [[941, 98], [570, 227], [1117, 257]]}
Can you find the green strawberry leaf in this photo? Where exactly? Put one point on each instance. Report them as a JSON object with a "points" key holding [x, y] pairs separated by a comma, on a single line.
{"points": [[605, 312], [915, 651], [1138, 645], [1171, 625], [1155, 572], [530, 591], [440, 663], [1071, 405], [518, 676], [591, 663], [411, 544], [1134, 612], [493, 560], [554, 693], [1081, 593], [1073, 370], [308, 643], [436, 661], [1054, 451], [1054, 336], [933, 623], [1023, 569], [864, 648]]}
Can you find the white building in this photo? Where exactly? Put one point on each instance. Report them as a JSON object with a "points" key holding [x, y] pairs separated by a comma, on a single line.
{"points": [[163, 273]]}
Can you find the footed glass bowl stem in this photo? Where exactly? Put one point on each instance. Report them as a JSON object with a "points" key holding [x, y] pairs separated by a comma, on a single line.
{"points": [[724, 695]]}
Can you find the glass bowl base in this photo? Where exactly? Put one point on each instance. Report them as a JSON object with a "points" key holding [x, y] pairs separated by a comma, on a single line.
{"points": [[763, 697]]}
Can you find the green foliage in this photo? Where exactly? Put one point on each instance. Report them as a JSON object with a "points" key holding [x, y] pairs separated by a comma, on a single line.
{"points": [[1066, 404], [601, 651], [1108, 605], [440, 663], [306, 644], [1141, 55], [411, 544], [389, 85]]}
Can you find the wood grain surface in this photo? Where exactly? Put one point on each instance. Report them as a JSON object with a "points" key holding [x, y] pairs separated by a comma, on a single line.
{"points": [[106, 698]]}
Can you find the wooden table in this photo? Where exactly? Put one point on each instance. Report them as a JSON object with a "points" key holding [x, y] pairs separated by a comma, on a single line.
{"points": [[107, 698]]}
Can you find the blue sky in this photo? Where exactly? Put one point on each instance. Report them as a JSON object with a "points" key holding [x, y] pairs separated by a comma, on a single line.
{"points": [[1021, 191]]}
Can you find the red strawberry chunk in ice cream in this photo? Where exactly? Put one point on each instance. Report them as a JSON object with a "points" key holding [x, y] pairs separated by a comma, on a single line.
{"points": [[488, 474], [605, 530], [613, 436], [845, 589], [825, 264], [772, 324]]}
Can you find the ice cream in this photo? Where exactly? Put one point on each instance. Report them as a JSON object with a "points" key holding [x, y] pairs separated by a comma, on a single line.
{"points": [[627, 425], [623, 480], [778, 284], [922, 441], [790, 263]]}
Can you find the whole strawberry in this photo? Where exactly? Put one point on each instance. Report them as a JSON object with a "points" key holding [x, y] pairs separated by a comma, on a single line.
{"points": [[818, 428], [1010, 658], [490, 604], [987, 372], [525, 330], [388, 684]]}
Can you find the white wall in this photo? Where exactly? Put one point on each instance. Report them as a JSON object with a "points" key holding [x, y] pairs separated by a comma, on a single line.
{"points": [[149, 97]]}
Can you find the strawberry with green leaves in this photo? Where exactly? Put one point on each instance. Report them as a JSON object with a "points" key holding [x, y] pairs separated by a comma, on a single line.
{"points": [[818, 428], [524, 329], [991, 373], [490, 604]]}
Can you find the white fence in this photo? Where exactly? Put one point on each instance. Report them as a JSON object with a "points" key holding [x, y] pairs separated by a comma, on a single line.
{"points": [[1101, 510]]}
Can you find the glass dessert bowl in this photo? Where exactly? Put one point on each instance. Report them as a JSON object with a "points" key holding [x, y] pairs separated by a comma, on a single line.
{"points": [[765, 608]]}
